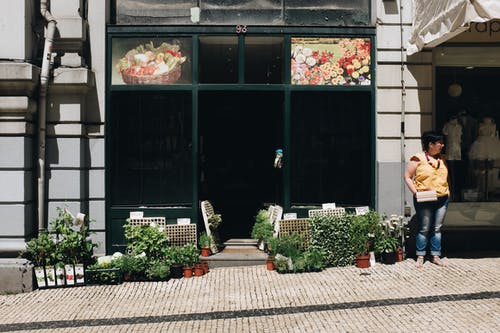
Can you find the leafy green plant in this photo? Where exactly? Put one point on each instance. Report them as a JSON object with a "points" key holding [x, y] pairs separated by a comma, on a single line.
{"points": [[189, 254], [105, 273], [332, 235], [205, 240], [364, 228], [214, 221], [315, 259], [272, 246], [386, 243], [281, 265], [39, 250], [262, 231], [158, 270], [173, 254], [134, 266], [290, 246], [150, 240]]}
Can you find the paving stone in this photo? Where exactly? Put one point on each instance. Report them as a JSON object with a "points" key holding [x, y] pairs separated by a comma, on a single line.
{"points": [[463, 297]]}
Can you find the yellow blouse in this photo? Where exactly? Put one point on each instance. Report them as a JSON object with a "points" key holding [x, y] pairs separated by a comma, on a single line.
{"points": [[430, 176]]}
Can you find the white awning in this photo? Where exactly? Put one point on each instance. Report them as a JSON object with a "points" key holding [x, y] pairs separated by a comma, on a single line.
{"points": [[435, 21]]}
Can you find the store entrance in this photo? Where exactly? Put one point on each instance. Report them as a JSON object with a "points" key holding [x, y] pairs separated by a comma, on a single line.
{"points": [[238, 135]]}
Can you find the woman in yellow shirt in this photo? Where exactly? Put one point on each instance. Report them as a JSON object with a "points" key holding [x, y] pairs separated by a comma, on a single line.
{"points": [[427, 171]]}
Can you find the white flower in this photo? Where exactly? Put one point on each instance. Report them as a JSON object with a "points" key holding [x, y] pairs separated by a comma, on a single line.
{"points": [[307, 52], [104, 260], [300, 58], [310, 61], [117, 255]]}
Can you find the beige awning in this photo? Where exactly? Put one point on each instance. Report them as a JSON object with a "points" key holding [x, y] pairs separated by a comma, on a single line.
{"points": [[435, 21]]}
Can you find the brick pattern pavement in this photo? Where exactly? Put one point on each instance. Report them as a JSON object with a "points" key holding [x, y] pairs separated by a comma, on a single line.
{"points": [[463, 297]]}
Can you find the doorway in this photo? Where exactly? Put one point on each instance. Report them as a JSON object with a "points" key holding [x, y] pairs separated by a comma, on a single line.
{"points": [[238, 135]]}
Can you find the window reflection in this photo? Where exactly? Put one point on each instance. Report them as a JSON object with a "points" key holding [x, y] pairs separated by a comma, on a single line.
{"points": [[264, 60], [218, 60]]}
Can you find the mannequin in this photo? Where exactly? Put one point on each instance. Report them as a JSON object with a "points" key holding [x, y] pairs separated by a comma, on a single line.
{"points": [[453, 131], [487, 144]]}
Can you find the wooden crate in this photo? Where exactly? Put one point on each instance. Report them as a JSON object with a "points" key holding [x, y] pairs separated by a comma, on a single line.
{"points": [[180, 235]]}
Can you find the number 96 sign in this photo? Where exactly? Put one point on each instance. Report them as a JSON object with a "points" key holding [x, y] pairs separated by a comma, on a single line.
{"points": [[241, 29]]}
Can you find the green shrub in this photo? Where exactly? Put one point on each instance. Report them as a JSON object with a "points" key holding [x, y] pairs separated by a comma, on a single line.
{"points": [[331, 234], [364, 229], [134, 266], [158, 270], [262, 231], [148, 239]]}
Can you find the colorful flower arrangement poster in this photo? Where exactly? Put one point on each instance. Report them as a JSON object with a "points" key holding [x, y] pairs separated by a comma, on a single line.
{"points": [[155, 61], [330, 61]]}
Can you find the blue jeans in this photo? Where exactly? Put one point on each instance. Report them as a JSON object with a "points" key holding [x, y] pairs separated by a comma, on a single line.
{"points": [[430, 216]]}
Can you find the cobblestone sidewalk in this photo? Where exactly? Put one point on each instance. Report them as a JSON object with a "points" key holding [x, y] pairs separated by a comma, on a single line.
{"points": [[463, 297]]}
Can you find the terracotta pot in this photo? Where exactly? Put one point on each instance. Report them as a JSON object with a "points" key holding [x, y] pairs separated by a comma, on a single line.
{"points": [[198, 270], [205, 251], [363, 261], [188, 271], [270, 263], [205, 267], [399, 255]]}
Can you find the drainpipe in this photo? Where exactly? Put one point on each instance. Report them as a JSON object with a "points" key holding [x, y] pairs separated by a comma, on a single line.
{"points": [[42, 109], [403, 111]]}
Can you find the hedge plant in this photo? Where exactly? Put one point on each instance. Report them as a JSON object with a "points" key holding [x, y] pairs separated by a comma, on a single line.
{"points": [[332, 235]]}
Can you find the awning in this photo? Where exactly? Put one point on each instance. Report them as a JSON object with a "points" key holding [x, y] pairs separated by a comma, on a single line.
{"points": [[435, 21]]}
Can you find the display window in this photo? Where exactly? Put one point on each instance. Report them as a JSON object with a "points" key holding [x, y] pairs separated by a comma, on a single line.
{"points": [[468, 113]]}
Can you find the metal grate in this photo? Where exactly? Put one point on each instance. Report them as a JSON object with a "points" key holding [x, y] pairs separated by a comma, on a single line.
{"points": [[297, 226], [327, 212], [180, 235], [159, 221]]}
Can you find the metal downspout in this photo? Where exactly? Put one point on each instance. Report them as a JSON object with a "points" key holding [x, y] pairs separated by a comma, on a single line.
{"points": [[42, 109], [403, 110]]}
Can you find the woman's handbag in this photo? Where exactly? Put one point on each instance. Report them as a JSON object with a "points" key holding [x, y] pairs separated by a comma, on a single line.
{"points": [[425, 196]]}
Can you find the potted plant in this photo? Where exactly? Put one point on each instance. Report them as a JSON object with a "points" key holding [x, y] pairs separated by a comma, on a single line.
{"points": [[158, 270], [315, 259], [37, 252], [175, 256], [190, 256], [103, 273], [363, 230], [272, 248], [205, 244], [132, 267], [387, 242], [262, 229]]}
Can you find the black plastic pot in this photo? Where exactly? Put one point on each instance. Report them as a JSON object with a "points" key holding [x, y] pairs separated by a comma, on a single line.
{"points": [[389, 258], [176, 271]]}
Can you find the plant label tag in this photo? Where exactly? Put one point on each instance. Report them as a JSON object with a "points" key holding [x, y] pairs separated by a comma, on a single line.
{"points": [[289, 216], [330, 205], [51, 276], [40, 277], [60, 276], [183, 221], [79, 274], [136, 215], [362, 210], [70, 275]]}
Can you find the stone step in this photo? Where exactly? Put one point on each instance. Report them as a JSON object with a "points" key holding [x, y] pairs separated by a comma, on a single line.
{"points": [[232, 259], [241, 242]]}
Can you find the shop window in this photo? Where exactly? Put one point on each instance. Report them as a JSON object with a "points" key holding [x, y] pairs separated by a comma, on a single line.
{"points": [[264, 60], [150, 148], [218, 59], [330, 61], [468, 113], [331, 147], [151, 61]]}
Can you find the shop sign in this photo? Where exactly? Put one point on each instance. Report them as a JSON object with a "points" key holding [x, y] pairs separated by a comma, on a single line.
{"points": [[484, 32]]}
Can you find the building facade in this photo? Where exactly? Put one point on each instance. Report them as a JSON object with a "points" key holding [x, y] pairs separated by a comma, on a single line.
{"points": [[153, 106]]}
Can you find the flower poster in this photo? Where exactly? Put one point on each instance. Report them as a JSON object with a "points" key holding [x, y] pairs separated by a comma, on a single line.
{"points": [[330, 61], [155, 61]]}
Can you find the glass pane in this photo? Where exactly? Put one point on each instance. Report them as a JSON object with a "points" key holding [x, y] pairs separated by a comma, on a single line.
{"points": [[467, 114], [331, 147], [331, 61], [151, 148], [151, 61], [218, 60], [264, 60], [247, 12], [154, 12], [327, 12]]}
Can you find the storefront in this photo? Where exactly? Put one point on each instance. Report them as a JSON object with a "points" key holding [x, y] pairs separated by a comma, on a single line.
{"points": [[197, 113]]}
